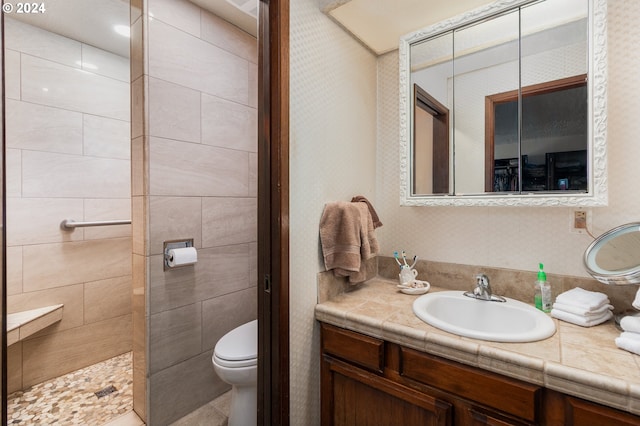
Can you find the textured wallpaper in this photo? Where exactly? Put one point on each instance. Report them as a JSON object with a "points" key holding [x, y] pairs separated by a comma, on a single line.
{"points": [[332, 157]]}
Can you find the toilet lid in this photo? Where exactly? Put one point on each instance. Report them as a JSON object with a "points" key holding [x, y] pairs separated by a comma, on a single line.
{"points": [[239, 344]]}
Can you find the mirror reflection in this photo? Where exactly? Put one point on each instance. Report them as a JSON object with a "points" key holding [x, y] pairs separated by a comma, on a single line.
{"points": [[614, 257], [500, 105]]}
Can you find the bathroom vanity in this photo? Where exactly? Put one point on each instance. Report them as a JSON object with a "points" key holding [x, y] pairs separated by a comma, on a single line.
{"points": [[382, 365]]}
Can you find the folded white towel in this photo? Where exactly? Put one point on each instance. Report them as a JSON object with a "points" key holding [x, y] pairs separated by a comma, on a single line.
{"points": [[580, 319], [636, 301], [582, 298], [630, 323], [582, 311], [629, 342], [630, 335]]}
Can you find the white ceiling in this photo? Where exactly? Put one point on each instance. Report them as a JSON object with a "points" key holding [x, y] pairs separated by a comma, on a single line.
{"points": [[92, 21], [379, 24]]}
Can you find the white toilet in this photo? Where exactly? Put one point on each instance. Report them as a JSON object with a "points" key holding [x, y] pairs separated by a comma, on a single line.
{"points": [[235, 360]]}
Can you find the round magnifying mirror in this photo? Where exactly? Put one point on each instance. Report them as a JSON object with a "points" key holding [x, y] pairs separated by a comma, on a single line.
{"points": [[614, 257]]}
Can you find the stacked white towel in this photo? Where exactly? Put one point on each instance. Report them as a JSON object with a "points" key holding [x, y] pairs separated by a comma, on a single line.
{"points": [[582, 307], [629, 339]]}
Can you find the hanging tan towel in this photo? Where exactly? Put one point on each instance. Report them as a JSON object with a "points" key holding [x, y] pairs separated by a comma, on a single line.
{"points": [[348, 239], [374, 215]]}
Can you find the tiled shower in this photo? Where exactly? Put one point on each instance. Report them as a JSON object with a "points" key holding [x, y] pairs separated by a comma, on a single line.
{"points": [[181, 164]]}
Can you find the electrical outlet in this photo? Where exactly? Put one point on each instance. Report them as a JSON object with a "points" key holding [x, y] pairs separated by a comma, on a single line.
{"points": [[580, 221]]}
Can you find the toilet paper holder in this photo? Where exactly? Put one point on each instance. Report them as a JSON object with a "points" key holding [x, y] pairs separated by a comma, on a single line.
{"points": [[174, 244]]}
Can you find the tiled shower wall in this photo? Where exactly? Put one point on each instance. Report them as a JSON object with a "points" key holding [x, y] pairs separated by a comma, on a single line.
{"points": [[67, 114], [194, 161]]}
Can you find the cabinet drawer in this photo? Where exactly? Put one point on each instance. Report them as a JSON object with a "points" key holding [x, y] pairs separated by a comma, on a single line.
{"points": [[492, 390], [365, 351]]}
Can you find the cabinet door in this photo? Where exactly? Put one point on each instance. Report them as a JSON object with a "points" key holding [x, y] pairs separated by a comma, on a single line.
{"points": [[578, 412], [355, 397], [477, 417]]}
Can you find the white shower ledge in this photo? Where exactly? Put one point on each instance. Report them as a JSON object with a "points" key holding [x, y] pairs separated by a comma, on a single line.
{"points": [[21, 325]]}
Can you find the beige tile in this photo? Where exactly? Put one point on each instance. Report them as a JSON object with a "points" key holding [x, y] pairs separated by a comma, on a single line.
{"points": [[54, 355], [14, 172], [138, 167], [136, 48], [12, 74], [139, 107], [188, 169], [105, 63], [618, 364], [59, 264], [52, 316], [14, 270], [222, 314], [62, 175], [218, 271], [174, 218], [106, 299], [182, 388], [14, 367], [207, 414], [139, 225], [73, 89], [229, 37], [106, 137], [69, 296], [42, 128], [183, 59], [228, 221], [37, 220], [139, 324], [128, 419], [174, 336], [97, 209], [174, 111], [181, 14], [34, 41], [253, 86], [253, 264], [228, 124], [253, 174]]}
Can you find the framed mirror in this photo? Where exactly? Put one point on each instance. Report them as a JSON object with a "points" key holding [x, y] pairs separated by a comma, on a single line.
{"points": [[614, 257], [506, 105]]}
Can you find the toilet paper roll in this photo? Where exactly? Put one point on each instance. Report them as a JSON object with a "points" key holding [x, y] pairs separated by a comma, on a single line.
{"points": [[182, 256]]}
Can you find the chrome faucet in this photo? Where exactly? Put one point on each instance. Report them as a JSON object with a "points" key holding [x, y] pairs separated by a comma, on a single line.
{"points": [[482, 291]]}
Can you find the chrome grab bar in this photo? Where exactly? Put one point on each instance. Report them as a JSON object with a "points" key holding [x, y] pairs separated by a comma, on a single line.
{"points": [[71, 224]]}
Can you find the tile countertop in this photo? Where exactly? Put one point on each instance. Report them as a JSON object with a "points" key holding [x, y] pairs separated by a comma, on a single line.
{"points": [[583, 362]]}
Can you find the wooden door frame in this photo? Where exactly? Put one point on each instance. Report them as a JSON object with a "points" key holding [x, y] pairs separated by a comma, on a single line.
{"points": [[490, 103], [273, 212]]}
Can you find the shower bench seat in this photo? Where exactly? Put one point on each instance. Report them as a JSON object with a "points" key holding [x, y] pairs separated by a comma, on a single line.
{"points": [[21, 325]]}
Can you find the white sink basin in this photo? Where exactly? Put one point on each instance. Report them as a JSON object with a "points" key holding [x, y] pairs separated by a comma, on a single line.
{"points": [[510, 321]]}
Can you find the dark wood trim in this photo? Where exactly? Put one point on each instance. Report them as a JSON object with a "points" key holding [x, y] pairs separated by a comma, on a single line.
{"points": [[440, 138], [490, 103], [3, 235], [273, 213]]}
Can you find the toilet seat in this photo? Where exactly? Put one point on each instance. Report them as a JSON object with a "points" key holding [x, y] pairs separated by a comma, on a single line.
{"points": [[239, 347]]}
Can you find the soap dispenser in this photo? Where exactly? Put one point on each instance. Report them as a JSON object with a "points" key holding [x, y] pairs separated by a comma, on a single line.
{"points": [[543, 291]]}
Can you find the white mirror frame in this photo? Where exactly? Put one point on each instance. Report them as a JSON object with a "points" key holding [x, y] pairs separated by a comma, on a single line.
{"points": [[597, 87]]}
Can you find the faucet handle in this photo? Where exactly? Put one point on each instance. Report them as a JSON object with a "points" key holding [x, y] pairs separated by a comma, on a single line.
{"points": [[482, 280]]}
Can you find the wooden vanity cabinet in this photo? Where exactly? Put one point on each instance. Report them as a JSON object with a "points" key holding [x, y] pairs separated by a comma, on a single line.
{"points": [[368, 381]]}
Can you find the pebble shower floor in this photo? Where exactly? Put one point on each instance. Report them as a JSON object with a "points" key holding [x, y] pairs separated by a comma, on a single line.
{"points": [[71, 399]]}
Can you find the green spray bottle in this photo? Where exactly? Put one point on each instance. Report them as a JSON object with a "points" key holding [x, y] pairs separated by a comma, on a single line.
{"points": [[542, 296]]}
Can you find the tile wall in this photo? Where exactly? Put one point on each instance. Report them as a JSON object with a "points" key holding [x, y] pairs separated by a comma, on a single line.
{"points": [[67, 151], [194, 160]]}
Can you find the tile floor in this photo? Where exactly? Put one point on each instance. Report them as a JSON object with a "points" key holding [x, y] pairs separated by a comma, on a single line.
{"points": [[71, 400]]}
